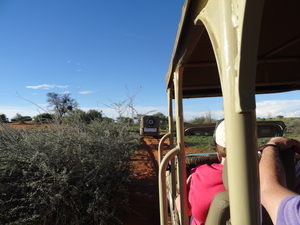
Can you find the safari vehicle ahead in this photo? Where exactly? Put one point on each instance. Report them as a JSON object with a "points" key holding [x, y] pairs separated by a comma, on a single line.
{"points": [[235, 49], [149, 126]]}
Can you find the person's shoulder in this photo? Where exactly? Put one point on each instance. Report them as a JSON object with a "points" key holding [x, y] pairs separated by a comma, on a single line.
{"points": [[217, 165], [293, 200], [214, 166], [288, 210]]}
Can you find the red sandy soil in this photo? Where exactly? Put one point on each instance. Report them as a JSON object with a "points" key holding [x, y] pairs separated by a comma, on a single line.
{"points": [[144, 188], [21, 125], [144, 185]]}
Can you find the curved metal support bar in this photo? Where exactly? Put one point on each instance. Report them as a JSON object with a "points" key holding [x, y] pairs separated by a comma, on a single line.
{"points": [[162, 140], [162, 185], [233, 29]]}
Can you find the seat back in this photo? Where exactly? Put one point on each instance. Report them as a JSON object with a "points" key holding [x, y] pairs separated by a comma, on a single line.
{"points": [[219, 210]]}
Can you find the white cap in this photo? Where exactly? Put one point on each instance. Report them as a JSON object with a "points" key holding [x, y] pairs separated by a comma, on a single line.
{"points": [[219, 135]]}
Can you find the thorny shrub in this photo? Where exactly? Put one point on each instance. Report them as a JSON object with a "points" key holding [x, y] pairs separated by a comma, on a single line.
{"points": [[66, 174]]}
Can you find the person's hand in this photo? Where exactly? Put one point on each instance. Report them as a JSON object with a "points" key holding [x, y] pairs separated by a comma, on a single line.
{"points": [[286, 143]]}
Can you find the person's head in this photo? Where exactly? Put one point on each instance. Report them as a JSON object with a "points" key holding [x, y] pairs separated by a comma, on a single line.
{"points": [[220, 138]]}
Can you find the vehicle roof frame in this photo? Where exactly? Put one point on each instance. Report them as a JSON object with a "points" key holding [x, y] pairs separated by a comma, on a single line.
{"points": [[245, 60]]}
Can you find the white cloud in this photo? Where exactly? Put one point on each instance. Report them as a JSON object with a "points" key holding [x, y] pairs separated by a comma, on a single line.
{"points": [[218, 114], [43, 86], [286, 108], [264, 109], [85, 92], [59, 86], [46, 86]]}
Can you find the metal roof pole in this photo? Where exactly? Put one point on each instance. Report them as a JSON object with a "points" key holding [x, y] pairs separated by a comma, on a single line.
{"points": [[170, 134], [171, 139], [238, 86], [180, 144], [171, 180], [170, 118], [233, 27]]}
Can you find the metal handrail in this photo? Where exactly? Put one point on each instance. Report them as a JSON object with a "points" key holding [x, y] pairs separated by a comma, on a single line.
{"points": [[162, 140], [162, 185]]}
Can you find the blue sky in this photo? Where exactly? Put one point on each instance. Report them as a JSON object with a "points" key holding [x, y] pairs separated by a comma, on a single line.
{"points": [[98, 51]]}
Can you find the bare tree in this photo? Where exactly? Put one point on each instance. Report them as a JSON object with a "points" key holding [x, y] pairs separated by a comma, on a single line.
{"points": [[61, 103], [126, 108]]}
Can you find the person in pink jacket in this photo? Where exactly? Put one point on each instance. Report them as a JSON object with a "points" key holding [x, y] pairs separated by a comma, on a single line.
{"points": [[205, 180], [282, 204]]}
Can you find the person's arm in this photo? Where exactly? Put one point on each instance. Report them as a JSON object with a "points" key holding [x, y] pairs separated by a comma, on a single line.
{"points": [[177, 199], [272, 179]]}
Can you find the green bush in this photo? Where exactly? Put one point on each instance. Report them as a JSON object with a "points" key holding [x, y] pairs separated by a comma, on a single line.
{"points": [[86, 117], [66, 174], [293, 127], [93, 114], [21, 119], [44, 118], [3, 118]]}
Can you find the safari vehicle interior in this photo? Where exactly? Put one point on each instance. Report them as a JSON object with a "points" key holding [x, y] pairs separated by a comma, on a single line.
{"points": [[219, 210], [235, 49]]}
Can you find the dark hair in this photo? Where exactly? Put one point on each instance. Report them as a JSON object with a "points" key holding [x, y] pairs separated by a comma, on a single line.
{"points": [[220, 150]]}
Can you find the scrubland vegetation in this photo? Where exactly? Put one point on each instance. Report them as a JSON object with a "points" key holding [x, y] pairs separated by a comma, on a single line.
{"points": [[76, 169], [70, 173]]}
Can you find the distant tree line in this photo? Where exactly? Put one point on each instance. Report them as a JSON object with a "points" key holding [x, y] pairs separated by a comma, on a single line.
{"points": [[19, 118], [64, 109], [3, 118]]}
